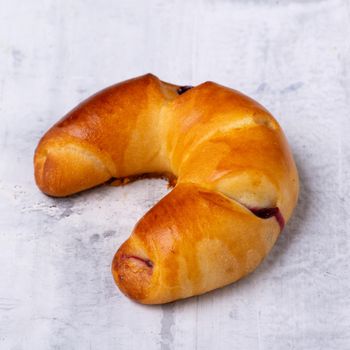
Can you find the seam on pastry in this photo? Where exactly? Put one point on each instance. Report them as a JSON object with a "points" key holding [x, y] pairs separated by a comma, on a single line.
{"points": [[88, 154], [261, 213], [108, 162], [163, 131], [149, 263], [247, 122]]}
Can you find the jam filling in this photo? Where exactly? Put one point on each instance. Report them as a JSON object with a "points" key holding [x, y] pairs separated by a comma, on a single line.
{"points": [[147, 262], [266, 213], [182, 89]]}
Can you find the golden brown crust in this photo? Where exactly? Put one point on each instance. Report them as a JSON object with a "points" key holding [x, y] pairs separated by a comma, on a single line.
{"points": [[197, 240], [225, 153], [118, 127]]}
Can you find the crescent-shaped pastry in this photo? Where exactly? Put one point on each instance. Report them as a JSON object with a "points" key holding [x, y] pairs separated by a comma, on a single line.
{"points": [[236, 180]]}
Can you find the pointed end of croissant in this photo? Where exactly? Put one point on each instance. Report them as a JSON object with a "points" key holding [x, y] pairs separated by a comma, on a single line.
{"points": [[132, 274], [63, 168]]}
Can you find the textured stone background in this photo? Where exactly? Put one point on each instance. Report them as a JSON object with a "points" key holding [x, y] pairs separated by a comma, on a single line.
{"points": [[56, 290]]}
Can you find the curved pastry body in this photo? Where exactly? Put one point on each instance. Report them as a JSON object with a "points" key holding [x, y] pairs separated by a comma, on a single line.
{"points": [[237, 183]]}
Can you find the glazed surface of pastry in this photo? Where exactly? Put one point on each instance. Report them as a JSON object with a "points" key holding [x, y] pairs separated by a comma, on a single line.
{"points": [[236, 180]]}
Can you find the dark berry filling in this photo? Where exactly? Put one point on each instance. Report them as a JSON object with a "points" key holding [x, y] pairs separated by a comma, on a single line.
{"points": [[266, 213], [182, 89], [147, 262]]}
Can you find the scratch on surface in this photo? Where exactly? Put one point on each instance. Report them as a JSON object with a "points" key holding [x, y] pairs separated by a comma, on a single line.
{"points": [[258, 327], [61, 211], [94, 238], [108, 233], [167, 323], [292, 87], [261, 88], [81, 90], [17, 57], [7, 304], [56, 319], [67, 204]]}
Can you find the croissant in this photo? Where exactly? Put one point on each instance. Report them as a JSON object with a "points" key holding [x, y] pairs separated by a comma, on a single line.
{"points": [[236, 180]]}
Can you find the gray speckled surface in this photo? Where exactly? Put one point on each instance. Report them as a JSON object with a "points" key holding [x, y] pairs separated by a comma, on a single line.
{"points": [[56, 290]]}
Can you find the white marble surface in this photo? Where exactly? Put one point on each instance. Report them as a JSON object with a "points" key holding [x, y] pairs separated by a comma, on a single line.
{"points": [[56, 290]]}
